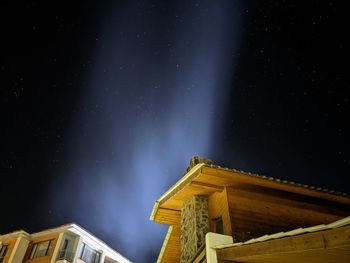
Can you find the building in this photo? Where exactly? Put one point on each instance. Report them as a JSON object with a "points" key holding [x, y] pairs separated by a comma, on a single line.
{"points": [[65, 244], [218, 214]]}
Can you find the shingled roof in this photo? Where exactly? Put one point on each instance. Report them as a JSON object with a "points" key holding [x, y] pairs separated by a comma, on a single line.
{"points": [[196, 181]]}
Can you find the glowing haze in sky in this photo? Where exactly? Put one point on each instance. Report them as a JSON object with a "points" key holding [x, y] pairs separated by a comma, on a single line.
{"points": [[104, 102], [156, 93]]}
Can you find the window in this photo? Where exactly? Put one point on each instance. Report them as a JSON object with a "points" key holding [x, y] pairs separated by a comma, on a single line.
{"points": [[65, 244], [219, 226], [40, 249], [64, 252], [3, 251], [89, 255]]}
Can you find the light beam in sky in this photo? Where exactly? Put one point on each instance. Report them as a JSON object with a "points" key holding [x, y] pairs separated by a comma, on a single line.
{"points": [[155, 98]]}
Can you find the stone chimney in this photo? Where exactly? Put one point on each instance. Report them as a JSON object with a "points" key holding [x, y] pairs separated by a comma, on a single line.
{"points": [[196, 160], [194, 226]]}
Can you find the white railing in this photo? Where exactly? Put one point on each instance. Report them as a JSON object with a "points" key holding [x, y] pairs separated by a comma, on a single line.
{"points": [[212, 240]]}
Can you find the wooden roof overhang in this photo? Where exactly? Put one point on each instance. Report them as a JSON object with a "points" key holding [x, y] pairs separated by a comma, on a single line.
{"points": [[205, 179], [332, 245]]}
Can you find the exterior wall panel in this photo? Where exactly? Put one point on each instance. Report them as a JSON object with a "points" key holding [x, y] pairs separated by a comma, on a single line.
{"points": [[218, 207], [11, 244], [45, 259]]}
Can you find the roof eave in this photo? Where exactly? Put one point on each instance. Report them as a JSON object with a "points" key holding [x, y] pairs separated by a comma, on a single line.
{"points": [[188, 177]]}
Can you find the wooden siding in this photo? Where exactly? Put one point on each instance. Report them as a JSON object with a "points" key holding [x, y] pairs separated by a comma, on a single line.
{"points": [[206, 180], [175, 203], [319, 247], [259, 212], [218, 207], [255, 205], [170, 252], [226, 177], [168, 216]]}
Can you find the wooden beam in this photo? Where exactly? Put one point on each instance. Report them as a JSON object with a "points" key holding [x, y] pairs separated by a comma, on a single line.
{"points": [[216, 188], [259, 213], [175, 201], [288, 199], [218, 207], [328, 239], [167, 216], [200, 255], [241, 177], [182, 182], [177, 187]]}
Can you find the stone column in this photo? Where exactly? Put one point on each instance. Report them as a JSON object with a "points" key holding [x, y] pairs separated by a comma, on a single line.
{"points": [[194, 226]]}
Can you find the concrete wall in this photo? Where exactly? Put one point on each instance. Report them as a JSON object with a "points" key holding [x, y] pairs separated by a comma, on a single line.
{"points": [[20, 250]]}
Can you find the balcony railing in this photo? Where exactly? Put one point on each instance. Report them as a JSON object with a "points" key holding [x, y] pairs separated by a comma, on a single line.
{"points": [[66, 255], [200, 256]]}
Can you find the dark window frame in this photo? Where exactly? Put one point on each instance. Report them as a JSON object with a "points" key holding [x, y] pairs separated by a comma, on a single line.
{"points": [[34, 253], [3, 251], [219, 225], [89, 255], [65, 244]]}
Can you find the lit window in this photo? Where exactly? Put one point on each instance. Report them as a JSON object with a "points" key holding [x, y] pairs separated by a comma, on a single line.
{"points": [[3, 251], [40, 249], [89, 255]]}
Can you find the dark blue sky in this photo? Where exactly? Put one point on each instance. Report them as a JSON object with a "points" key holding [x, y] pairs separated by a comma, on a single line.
{"points": [[104, 103]]}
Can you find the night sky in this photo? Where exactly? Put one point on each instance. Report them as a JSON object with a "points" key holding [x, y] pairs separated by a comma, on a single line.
{"points": [[103, 103]]}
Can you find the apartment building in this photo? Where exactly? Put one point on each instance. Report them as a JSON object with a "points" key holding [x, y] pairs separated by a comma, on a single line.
{"points": [[65, 244], [218, 214]]}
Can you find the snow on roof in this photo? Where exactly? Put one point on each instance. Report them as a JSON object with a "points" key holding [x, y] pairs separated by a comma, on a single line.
{"points": [[339, 223]]}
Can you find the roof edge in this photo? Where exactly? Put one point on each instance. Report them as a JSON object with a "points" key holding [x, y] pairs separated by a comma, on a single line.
{"points": [[294, 232], [283, 181], [176, 187], [16, 233]]}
